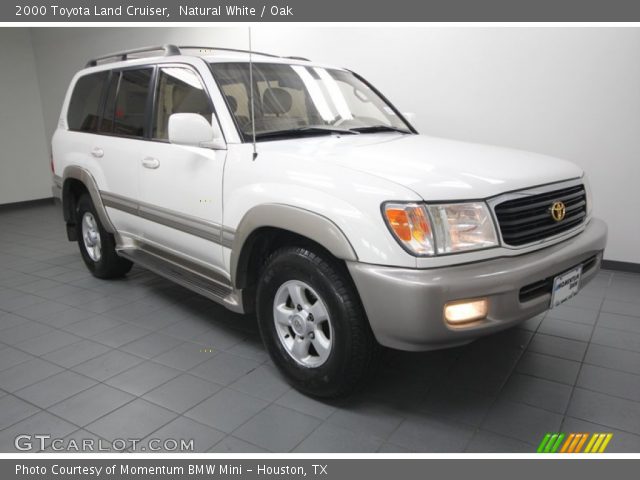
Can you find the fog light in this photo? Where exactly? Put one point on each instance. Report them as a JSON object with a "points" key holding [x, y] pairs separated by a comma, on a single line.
{"points": [[465, 311]]}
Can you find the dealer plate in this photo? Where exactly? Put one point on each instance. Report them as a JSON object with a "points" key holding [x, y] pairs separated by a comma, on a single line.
{"points": [[565, 286]]}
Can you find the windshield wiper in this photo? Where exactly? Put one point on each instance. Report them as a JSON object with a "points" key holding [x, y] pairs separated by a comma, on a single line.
{"points": [[305, 130], [379, 128]]}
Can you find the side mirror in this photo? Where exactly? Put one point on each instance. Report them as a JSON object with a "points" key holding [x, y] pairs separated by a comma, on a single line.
{"points": [[193, 130], [409, 116]]}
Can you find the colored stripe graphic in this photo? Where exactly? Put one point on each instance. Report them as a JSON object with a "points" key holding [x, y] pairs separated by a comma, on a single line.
{"points": [[551, 442], [543, 443], [557, 444], [565, 447], [591, 443], [574, 442], [581, 443], [599, 442], [576, 439], [606, 441]]}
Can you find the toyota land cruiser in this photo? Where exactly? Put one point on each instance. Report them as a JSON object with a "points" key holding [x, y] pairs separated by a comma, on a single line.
{"points": [[295, 190]]}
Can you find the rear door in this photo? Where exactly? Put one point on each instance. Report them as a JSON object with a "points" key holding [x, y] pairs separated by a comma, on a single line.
{"points": [[181, 186], [120, 145]]}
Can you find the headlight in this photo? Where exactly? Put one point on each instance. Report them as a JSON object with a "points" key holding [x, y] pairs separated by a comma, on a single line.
{"points": [[425, 230], [460, 227], [410, 224]]}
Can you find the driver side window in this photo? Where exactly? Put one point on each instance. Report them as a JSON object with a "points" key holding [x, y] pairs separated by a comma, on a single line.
{"points": [[179, 91]]}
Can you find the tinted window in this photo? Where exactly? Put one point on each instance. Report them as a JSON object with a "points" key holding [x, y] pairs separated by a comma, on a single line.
{"points": [[84, 107], [129, 114], [179, 91], [110, 105]]}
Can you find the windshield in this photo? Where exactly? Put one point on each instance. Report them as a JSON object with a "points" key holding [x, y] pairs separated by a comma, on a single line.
{"points": [[296, 100]]}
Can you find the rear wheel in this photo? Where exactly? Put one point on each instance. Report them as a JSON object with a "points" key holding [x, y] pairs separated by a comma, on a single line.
{"points": [[313, 324], [97, 246]]}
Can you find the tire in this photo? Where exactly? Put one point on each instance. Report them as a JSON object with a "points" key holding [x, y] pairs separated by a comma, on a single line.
{"points": [[102, 262], [318, 281]]}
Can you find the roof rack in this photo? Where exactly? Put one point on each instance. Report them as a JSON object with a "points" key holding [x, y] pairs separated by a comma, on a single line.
{"points": [[124, 54], [190, 47], [169, 50], [293, 57]]}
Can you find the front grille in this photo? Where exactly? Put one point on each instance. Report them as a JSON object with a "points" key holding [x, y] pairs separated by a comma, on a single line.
{"points": [[528, 219], [543, 287]]}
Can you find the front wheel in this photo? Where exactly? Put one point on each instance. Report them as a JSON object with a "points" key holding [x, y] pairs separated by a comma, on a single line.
{"points": [[313, 324]]}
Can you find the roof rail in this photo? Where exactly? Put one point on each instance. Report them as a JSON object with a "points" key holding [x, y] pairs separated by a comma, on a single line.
{"points": [[293, 57], [191, 47], [124, 54], [169, 49]]}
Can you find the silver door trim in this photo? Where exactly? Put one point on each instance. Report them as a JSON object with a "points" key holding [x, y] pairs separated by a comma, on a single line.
{"points": [[191, 225]]}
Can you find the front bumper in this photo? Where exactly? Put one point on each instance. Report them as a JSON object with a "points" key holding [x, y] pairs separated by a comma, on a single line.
{"points": [[405, 306]]}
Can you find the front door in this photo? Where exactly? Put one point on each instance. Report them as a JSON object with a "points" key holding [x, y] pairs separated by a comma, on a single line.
{"points": [[181, 186]]}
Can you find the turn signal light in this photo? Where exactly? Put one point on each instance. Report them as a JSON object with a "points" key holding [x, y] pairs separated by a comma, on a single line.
{"points": [[465, 311], [410, 225]]}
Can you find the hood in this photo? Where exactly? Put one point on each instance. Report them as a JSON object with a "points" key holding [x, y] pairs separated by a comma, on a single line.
{"points": [[434, 168]]}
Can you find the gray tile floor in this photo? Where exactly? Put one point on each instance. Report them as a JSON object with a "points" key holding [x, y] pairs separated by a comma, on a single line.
{"points": [[82, 358]]}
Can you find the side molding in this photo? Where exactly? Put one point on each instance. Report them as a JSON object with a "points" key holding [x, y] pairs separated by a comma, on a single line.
{"points": [[303, 222], [83, 175], [169, 218]]}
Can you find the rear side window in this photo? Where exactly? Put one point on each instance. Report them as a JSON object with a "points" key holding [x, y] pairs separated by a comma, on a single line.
{"points": [[110, 104], [84, 108], [131, 101], [179, 91]]}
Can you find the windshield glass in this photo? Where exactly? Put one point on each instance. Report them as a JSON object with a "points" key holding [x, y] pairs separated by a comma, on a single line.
{"points": [[301, 100]]}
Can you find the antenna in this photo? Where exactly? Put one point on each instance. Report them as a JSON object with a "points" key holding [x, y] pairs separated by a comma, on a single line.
{"points": [[253, 116]]}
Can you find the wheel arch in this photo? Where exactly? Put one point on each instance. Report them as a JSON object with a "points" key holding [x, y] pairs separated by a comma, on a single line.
{"points": [[75, 179], [264, 224]]}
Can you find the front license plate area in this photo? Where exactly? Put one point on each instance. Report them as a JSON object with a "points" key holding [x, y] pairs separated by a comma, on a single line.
{"points": [[565, 286]]}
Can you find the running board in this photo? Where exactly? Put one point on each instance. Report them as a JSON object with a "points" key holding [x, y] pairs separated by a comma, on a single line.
{"points": [[192, 278]]}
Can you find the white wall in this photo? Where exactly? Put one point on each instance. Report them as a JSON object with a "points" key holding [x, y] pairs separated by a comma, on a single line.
{"points": [[569, 92], [24, 156]]}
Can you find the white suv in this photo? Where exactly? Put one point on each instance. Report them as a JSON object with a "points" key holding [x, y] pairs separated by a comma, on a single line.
{"points": [[344, 229]]}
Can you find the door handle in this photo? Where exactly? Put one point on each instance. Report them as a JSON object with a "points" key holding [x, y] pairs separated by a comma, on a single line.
{"points": [[150, 162], [97, 152]]}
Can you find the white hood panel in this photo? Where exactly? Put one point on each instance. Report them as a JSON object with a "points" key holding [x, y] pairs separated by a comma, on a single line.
{"points": [[436, 169]]}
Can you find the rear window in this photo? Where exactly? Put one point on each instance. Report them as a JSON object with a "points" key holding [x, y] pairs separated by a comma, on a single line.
{"points": [[129, 114], [84, 108], [106, 126]]}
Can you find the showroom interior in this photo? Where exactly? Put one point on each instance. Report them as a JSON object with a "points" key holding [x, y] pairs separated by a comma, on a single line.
{"points": [[144, 358]]}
